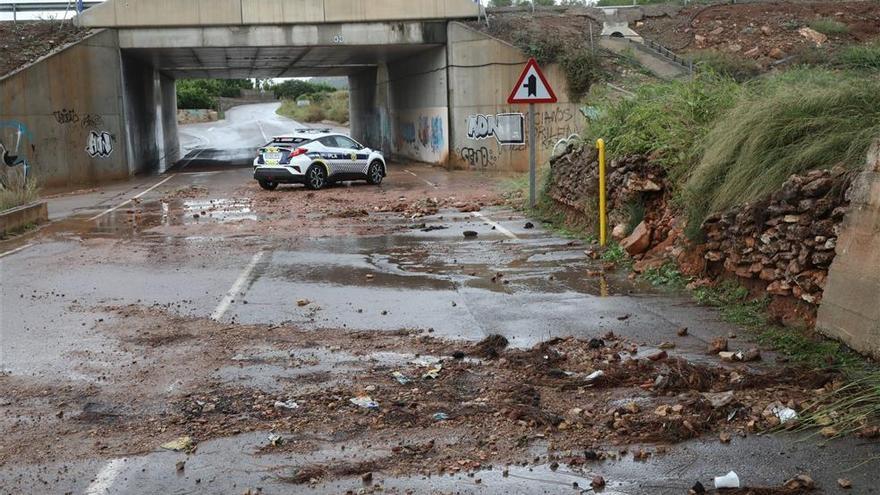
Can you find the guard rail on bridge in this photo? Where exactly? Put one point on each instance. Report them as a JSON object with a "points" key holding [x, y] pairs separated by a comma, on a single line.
{"points": [[15, 7]]}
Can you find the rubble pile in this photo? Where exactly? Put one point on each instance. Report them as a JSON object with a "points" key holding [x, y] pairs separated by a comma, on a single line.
{"points": [[787, 240]]}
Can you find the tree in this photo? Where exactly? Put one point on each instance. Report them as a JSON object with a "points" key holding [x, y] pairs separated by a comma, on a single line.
{"points": [[295, 88]]}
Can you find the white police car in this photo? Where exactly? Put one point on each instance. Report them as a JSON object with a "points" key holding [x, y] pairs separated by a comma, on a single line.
{"points": [[316, 157]]}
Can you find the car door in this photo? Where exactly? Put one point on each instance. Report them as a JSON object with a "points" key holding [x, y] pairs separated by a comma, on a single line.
{"points": [[332, 155], [355, 154]]}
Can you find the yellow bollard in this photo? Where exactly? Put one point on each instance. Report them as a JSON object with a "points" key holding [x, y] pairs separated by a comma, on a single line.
{"points": [[600, 144]]}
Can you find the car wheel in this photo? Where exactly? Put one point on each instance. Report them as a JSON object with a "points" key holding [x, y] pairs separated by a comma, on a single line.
{"points": [[268, 185], [374, 173], [316, 177]]}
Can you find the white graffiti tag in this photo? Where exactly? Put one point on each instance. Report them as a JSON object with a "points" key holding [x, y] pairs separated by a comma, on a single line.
{"points": [[508, 128], [100, 144]]}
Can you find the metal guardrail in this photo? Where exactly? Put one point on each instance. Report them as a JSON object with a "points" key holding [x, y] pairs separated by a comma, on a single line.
{"points": [[21, 6], [666, 53]]}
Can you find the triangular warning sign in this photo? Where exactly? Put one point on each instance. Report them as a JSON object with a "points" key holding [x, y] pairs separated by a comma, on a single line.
{"points": [[532, 86]]}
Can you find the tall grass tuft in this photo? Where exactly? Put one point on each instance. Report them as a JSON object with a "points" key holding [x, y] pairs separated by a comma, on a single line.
{"points": [[829, 26], [323, 106], [668, 120], [865, 57], [14, 191], [848, 409], [791, 124]]}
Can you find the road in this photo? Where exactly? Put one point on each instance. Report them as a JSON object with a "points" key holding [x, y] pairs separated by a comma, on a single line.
{"points": [[194, 304]]}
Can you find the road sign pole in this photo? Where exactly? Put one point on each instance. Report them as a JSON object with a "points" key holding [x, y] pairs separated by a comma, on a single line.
{"points": [[532, 160]]}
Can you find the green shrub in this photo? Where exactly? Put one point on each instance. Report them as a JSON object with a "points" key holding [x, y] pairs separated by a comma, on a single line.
{"points": [[203, 93], [295, 89], [726, 64], [829, 26], [582, 68], [323, 106], [790, 124]]}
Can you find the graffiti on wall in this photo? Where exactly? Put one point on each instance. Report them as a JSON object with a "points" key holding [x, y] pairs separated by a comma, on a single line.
{"points": [[66, 116], [478, 157], [16, 145], [408, 133], [421, 135], [555, 123], [506, 128], [100, 144]]}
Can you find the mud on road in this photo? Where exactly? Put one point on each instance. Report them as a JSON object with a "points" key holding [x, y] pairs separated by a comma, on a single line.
{"points": [[370, 347]]}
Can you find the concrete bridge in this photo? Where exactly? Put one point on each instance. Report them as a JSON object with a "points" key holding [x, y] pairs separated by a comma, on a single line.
{"points": [[105, 108]]}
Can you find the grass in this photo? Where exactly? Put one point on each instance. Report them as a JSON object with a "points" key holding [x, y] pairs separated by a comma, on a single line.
{"points": [[829, 26], [582, 68], [667, 119], [860, 57], [849, 408], [666, 275], [796, 122], [323, 106], [798, 344], [15, 192], [726, 64]]}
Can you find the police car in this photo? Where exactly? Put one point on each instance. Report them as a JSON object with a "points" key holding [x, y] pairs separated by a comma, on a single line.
{"points": [[316, 158]]}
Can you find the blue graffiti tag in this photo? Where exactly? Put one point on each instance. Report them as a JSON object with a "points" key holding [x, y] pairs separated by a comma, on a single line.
{"points": [[437, 139], [408, 132]]}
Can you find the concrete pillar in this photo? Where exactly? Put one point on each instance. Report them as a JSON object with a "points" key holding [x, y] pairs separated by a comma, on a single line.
{"points": [[850, 308]]}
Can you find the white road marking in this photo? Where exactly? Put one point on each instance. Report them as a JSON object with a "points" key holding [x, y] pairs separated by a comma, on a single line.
{"points": [[190, 160], [129, 200], [105, 478], [236, 287], [13, 251], [263, 132], [423, 180], [497, 225]]}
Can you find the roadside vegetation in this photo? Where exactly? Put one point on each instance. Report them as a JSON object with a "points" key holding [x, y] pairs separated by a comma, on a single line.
{"points": [[317, 107], [203, 93], [14, 191], [724, 143]]}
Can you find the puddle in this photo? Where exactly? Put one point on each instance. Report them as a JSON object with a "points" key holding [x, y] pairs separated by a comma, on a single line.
{"points": [[217, 210]]}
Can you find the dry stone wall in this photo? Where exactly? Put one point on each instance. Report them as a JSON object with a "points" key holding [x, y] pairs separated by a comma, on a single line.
{"points": [[784, 243]]}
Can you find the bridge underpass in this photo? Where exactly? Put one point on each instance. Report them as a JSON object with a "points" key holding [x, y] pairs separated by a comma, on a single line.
{"points": [[419, 75]]}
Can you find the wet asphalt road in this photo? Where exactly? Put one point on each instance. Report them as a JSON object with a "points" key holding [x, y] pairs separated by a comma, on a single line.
{"points": [[55, 281]]}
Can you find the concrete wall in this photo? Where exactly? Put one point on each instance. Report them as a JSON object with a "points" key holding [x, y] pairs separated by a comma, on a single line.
{"points": [[64, 114], [482, 72], [118, 13], [850, 309]]}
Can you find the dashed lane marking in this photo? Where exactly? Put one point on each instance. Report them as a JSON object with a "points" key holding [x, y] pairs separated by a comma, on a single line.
{"points": [[16, 250], [497, 225], [421, 179], [129, 200], [236, 287]]}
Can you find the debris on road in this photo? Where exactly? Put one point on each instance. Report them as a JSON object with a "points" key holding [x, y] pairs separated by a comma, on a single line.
{"points": [[400, 377], [597, 483], [529, 225], [782, 413], [365, 402], [470, 233], [303, 302], [181, 444], [288, 404], [682, 332], [844, 483], [440, 416], [729, 480]]}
